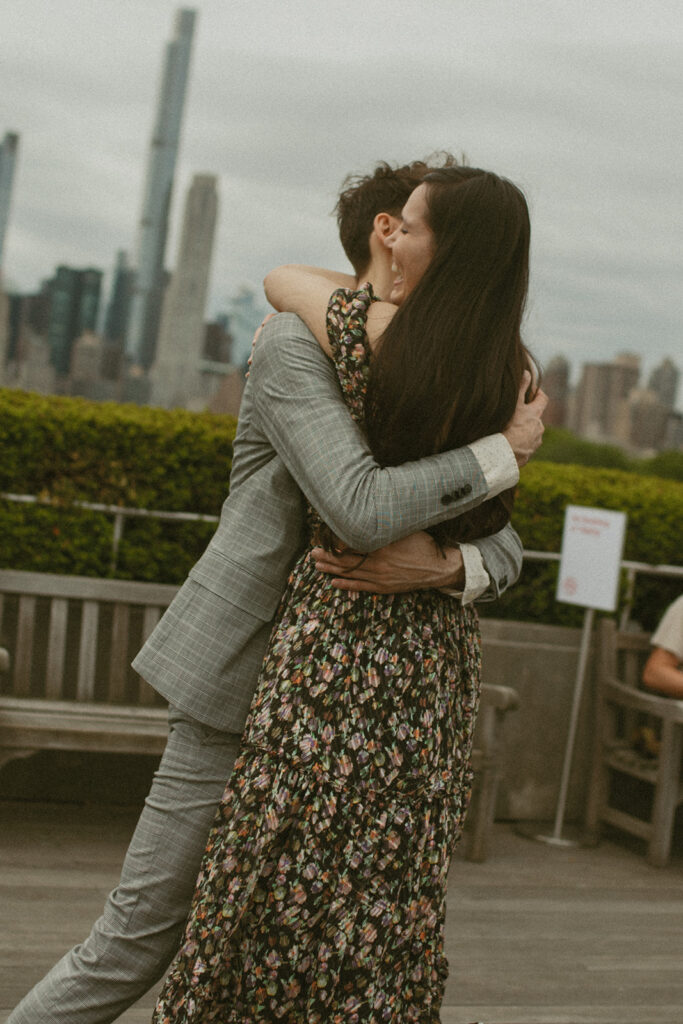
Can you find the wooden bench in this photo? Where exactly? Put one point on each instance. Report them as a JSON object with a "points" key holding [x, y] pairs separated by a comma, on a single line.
{"points": [[71, 640], [626, 713]]}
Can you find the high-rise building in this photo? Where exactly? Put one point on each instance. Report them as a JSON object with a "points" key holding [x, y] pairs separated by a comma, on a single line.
{"points": [[5, 306], [74, 306], [145, 311], [117, 318], [598, 403], [8, 158], [556, 386], [664, 382], [175, 374]]}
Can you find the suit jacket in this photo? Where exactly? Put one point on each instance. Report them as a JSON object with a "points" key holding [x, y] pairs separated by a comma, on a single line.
{"points": [[294, 435]]}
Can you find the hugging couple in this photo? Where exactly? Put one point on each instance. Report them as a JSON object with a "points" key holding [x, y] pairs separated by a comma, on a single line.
{"points": [[323, 656]]}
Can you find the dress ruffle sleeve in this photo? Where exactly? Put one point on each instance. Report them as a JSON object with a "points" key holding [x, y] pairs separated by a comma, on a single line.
{"points": [[347, 315]]}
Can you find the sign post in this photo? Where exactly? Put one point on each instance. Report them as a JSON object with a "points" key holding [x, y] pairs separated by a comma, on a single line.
{"points": [[592, 548]]}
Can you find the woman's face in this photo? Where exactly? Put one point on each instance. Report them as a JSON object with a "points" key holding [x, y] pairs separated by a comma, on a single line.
{"points": [[412, 245]]}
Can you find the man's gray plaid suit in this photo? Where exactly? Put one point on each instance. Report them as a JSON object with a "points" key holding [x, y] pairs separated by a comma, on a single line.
{"points": [[204, 656]]}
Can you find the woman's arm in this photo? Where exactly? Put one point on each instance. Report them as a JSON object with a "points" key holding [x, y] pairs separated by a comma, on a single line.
{"points": [[306, 291]]}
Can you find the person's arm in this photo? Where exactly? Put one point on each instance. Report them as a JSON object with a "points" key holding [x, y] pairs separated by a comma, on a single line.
{"points": [[480, 571], [306, 291], [304, 417], [662, 673]]}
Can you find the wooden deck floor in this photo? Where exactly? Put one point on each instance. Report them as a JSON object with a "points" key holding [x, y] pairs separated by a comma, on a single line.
{"points": [[536, 935]]}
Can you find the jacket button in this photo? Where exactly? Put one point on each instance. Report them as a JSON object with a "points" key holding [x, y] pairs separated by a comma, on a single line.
{"points": [[467, 489], [447, 499]]}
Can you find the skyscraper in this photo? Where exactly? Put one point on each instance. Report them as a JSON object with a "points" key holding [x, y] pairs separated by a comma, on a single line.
{"points": [[664, 382], [175, 374], [8, 158], [601, 394], [74, 306], [143, 325], [117, 317], [556, 386]]}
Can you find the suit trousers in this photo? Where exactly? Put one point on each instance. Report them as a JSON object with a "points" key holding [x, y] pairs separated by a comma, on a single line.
{"points": [[138, 934]]}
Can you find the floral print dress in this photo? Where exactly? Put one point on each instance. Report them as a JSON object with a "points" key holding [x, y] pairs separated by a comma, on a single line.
{"points": [[321, 896]]}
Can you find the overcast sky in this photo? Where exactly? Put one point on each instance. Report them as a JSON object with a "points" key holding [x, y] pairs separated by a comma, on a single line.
{"points": [[580, 102]]}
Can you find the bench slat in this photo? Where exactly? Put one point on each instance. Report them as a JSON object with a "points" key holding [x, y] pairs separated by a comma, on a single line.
{"points": [[89, 588], [87, 652], [23, 656], [56, 649], [118, 663], [146, 695]]}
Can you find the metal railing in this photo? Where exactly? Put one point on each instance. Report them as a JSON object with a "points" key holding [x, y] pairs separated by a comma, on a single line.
{"points": [[121, 513], [632, 570]]}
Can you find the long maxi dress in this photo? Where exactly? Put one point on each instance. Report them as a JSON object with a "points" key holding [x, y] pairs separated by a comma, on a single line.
{"points": [[321, 897]]}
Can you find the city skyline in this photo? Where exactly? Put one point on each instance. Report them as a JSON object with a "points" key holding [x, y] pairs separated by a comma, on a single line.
{"points": [[577, 110]]}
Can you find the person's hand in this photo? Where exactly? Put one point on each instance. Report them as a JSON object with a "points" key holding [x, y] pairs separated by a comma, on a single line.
{"points": [[524, 432], [414, 563]]}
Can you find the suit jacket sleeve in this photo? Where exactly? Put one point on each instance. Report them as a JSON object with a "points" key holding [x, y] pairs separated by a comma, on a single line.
{"points": [[502, 557], [302, 413]]}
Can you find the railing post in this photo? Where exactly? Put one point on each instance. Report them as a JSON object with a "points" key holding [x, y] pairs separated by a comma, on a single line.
{"points": [[119, 520], [628, 604]]}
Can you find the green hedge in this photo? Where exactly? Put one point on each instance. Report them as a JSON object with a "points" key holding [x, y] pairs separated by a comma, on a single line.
{"points": [[69, 448], [654, 507], [177, 461]]}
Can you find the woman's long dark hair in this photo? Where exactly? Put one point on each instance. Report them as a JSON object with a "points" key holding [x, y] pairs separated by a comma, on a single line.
{"points": [[449, 366]]}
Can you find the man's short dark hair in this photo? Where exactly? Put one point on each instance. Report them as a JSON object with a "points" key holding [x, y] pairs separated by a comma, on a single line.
{"points": [[384, 191]]}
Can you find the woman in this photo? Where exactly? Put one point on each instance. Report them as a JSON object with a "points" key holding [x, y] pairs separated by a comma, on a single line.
{"points": [[322, 893]]}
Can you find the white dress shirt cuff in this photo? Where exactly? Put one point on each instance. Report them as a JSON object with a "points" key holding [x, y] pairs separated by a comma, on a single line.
{"points": [[477, 580], [497, 461]]}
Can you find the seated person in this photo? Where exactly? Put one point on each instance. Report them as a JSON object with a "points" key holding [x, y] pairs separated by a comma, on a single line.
{"points": [[663, 671]]}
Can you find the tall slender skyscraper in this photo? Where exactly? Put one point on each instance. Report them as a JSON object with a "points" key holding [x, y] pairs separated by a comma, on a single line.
{"points": [[175, 374], [8, 158], [143, 325]]}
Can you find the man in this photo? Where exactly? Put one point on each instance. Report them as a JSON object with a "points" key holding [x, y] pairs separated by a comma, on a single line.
{"points": [[295, 437]]}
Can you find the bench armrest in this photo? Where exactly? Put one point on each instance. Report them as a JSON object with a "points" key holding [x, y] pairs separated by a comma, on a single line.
{"points": [[665, 708]]}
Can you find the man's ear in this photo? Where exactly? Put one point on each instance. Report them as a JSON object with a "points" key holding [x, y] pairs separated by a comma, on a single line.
{"points": [[384, 225]]}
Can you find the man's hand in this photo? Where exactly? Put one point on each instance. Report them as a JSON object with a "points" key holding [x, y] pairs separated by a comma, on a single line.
{"points": [[414, 563], [524, 432]]}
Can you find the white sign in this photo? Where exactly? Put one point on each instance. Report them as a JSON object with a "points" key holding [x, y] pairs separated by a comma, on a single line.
{"points": [[592, 546]]}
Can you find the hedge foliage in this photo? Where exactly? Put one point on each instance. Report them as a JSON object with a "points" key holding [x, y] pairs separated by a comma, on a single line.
{"points": [[654, 507], [71, 449]]}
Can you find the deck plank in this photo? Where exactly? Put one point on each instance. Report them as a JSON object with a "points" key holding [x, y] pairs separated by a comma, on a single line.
{"points": [[535, 935]]}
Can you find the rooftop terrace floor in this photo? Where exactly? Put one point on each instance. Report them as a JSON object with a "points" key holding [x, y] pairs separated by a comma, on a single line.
{"points": [[535, 935]]}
